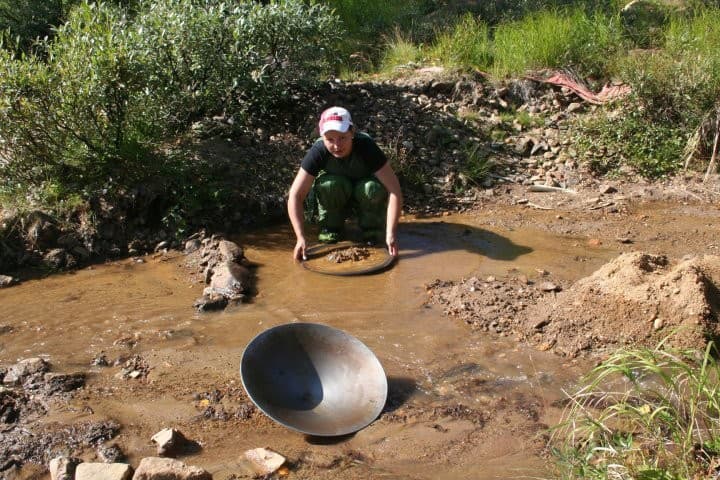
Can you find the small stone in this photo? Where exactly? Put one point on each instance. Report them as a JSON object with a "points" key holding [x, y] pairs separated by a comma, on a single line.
{"points": [[63, 468], [17, 373], [264, 461], [170, 442], [658, 324], [162, 245], [548, 287]]}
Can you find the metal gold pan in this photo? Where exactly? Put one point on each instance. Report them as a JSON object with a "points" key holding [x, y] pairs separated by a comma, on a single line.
{"points": [[316, 261], [314, 379]]}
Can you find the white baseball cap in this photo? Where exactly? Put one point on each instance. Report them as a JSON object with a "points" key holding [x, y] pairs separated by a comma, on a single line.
{"points": [[335, 118]]}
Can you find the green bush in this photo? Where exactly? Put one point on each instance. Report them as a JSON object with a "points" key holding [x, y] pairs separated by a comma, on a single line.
{"points": [[25, 21], [682, 80], [631, 137], [91, 113], [64, 120]]}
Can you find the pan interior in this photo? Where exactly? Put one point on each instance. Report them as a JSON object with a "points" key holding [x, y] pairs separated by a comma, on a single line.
{"points": [[314, 379]]}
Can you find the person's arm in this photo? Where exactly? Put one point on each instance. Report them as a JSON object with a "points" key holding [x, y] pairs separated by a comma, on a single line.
{"points": [[296, 210], [387, 177]]}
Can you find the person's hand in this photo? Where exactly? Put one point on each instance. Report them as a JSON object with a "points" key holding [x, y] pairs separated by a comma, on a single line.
{"points": [[391, 244], [299, 252]]}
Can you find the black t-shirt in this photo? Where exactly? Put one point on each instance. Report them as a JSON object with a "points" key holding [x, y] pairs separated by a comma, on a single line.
{"points": [[364, 160]]}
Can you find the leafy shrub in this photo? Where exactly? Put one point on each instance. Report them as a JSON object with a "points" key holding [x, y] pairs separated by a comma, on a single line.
{"points": [[93, 111], [681, 81], [24, 21], [64, 121], [631, 137]]}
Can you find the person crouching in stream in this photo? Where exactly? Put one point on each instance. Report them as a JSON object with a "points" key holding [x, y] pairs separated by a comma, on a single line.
{"points": [[346, 171]]}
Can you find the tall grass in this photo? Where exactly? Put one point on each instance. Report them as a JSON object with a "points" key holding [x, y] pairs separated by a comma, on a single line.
{"points": [[688, 65], [651, 414], [555, 39], [467, 44], [400, 53]]}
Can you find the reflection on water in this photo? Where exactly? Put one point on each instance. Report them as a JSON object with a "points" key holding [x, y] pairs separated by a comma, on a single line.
{"points": [[147, 307]]}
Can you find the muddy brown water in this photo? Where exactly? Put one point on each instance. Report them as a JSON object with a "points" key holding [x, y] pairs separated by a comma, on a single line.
{"points": [[462, 405]]}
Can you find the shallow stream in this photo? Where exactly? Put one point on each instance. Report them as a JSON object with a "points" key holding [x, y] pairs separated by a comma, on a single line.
{"points": [[433, 362]]}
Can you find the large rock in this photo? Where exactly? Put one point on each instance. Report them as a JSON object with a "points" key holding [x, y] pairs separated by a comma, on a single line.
{"points": [[104, 471], [43, 232], [17, 373], [156, 468]]}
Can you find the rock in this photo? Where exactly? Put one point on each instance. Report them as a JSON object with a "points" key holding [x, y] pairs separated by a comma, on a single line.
{"points": [[7, 281], [110, 453], [230, 278], [63, 468], [164, 245], [548, 287], [574, 107], [606, 189], [43, 231], [230, 251], [264, 461], [155, 468], [60, 382], [214, 301], [524, 145], [17, 373], [171, 442], [192, 245], [81, 252], [104, 471], [55, 259]]}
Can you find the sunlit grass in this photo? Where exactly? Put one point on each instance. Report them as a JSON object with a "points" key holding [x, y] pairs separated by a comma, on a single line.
{"points": [[466, 45], [554, 39], [644, 413], [400, 53]]}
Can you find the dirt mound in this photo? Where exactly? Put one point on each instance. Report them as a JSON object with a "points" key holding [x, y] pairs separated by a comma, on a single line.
{"points": [[637, 299]]}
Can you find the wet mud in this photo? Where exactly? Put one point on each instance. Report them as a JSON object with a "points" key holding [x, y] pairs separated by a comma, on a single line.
{"points": [[468, 396]]}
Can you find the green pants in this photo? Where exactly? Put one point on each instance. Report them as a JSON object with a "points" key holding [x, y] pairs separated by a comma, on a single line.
{"points": [[338, 197]]}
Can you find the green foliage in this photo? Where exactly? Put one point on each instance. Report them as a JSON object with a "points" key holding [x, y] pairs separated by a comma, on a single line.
{"points": [[64, 120], [612, 139], [467, 44], [27, 20], [366, 20], [643, 414], [477, 165], [110, 88], [681, 81], [555, 39], [400, 53]]}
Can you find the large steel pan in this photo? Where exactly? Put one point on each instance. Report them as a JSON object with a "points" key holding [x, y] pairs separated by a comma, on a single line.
{"points": [[314, 379]]}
